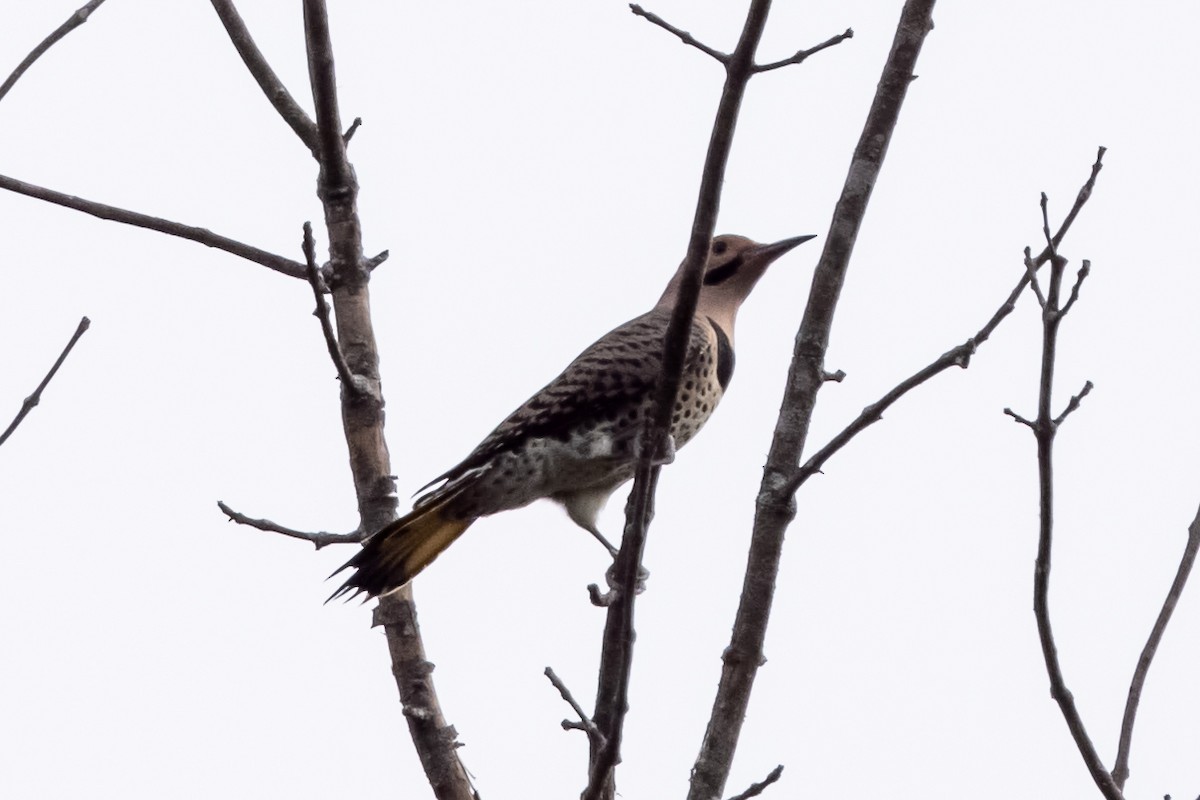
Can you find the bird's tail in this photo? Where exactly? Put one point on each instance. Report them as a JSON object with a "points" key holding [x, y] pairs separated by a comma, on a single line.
{"points": [[393, 556]]}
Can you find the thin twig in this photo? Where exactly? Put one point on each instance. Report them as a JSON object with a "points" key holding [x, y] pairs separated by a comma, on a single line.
{"points": [[318, 538], [959, 356], [74, 21], [684, 36], [285, 266], [1073, 404], [1120, 771], [616, 659], [1085, 269], [278, 95], [322, 311], [354, 126], [755, 789], [585, 722], [775, 507], [32, 400], [801, 55]]}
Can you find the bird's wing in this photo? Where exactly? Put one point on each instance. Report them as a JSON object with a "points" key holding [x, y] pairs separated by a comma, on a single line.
{"points": [[616, 374]]}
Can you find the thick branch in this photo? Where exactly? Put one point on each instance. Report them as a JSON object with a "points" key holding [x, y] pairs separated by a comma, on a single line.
{"points": [[74, 21], [32, 400], [285, 266], [617, 648], [776, 506], [1120, 771], [363, 418], [318, 538], [295, 116]]}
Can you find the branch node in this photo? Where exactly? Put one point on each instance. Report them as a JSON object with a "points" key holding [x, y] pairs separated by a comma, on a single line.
{"points": [[374, 261], [585, 722], [836, 377], [33, 399]]}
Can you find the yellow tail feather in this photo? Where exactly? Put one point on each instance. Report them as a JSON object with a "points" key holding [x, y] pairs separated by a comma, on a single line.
{"points": [[393, 556]]}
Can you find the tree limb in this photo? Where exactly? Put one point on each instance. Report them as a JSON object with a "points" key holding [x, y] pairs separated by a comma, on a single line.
{"points": [[363, 417], [322, 311], [776, 506], [284, 266], [32, 400], [74, 21]]}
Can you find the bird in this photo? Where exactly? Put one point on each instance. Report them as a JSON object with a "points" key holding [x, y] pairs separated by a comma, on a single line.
{"points": [[575, 441]]}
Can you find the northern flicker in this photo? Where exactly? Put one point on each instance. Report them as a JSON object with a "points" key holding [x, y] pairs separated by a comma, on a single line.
{"points": [[575, 440]]}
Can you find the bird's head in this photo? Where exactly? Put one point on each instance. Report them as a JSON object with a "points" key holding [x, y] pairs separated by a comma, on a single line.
{"points": [[734, 265]]}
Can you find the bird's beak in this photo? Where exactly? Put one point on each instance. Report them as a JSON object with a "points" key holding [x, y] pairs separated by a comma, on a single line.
{"points": [[770, 252]]}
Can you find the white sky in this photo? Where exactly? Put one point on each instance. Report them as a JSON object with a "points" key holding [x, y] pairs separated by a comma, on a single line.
{"points": [[532, 167]]}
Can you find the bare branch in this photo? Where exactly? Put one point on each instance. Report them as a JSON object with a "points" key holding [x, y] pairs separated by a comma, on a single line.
{"points": [[354, 126], [757, 788], [322, 312], [1018, 417], [833, 377], [775, 507], [318, 538], [959, 356], [684, 36], [278, 95], [1120, 771], [612, 698], [1073, 404], [585, 723], [74, 21], [1031, 268], [801, 55], [1044, 429], [1085, 269], [32, 400], [434, 739], [285, 266]]}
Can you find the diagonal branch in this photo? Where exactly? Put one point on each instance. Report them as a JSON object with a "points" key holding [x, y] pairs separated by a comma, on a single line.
{"points": [[801, 55], [1120, 771], [755, 789], [318, 538], [616, 658], [959, 356], [775, 506], [683, 35], [74, 21], [32, 400], [278, 95], [285, 266]]}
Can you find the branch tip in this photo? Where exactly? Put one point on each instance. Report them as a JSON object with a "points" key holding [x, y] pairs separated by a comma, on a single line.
{"points": [[318, 538], [683, 35]]}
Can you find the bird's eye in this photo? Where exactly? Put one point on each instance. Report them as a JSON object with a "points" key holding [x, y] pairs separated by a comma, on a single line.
{"points": [[719, 248]]}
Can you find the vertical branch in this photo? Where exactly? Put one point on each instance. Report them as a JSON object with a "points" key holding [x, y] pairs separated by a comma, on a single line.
{"points": [[776, 504], [617, 647], [362, 415]]}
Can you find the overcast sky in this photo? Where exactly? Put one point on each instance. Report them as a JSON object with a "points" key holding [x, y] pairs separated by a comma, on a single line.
{"points": [[532, 167]]}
